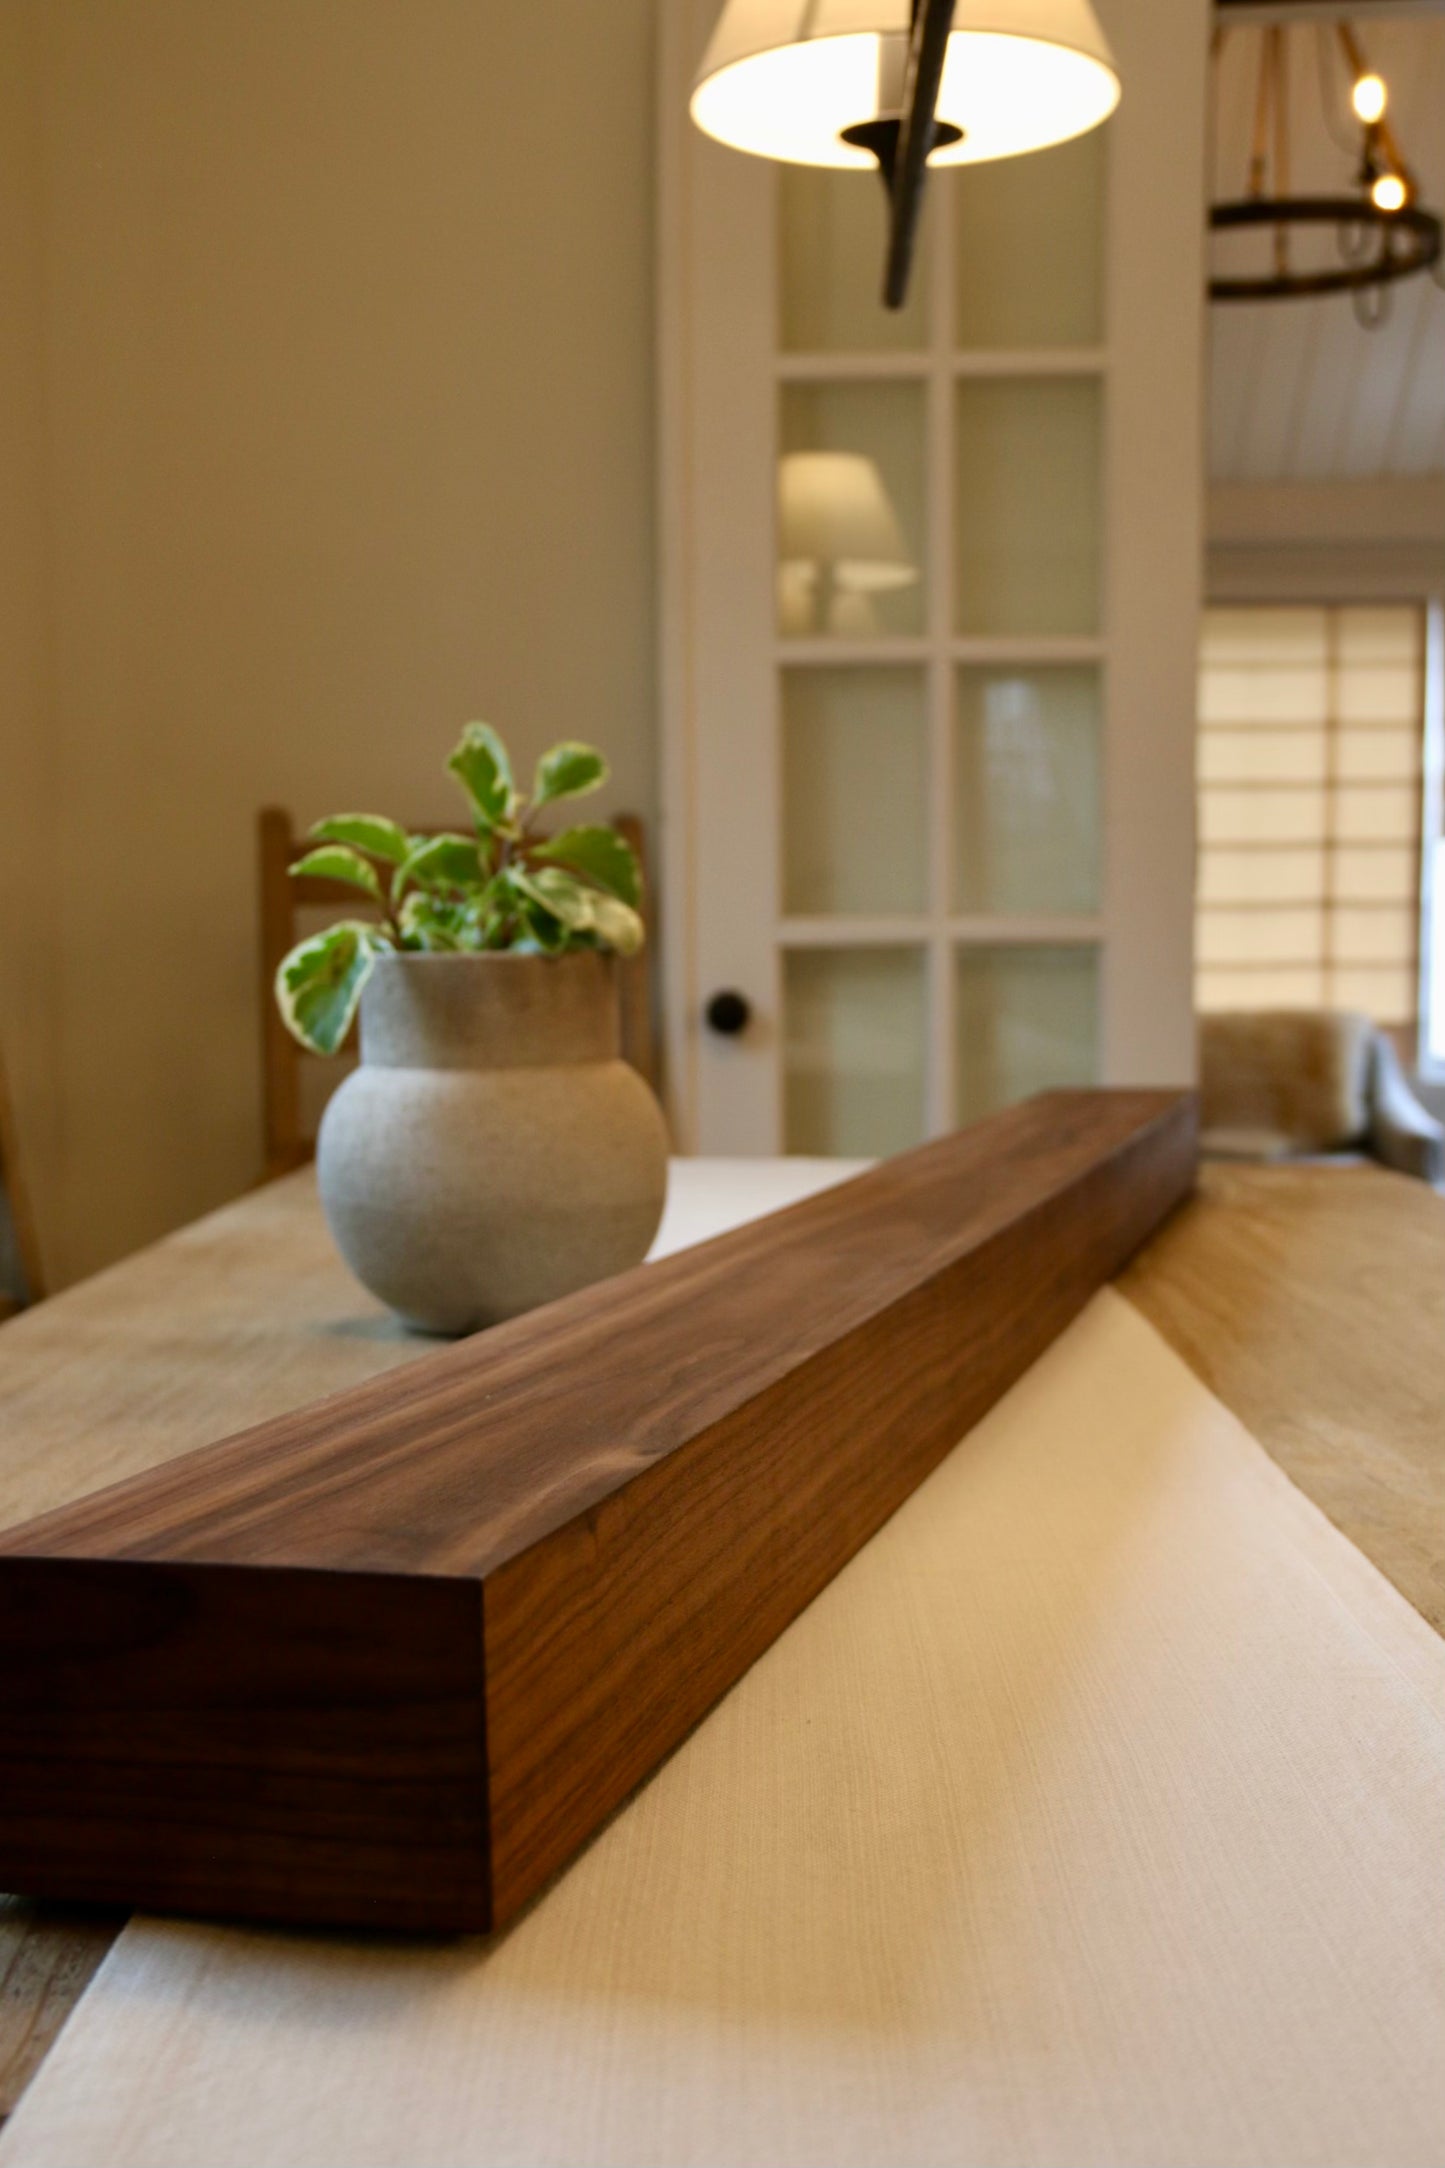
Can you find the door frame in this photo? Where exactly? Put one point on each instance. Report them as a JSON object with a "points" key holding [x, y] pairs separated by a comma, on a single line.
{"points": [[716, 390]]}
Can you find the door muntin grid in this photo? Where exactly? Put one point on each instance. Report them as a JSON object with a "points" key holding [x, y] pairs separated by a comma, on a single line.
{"points": [[941, 738]]}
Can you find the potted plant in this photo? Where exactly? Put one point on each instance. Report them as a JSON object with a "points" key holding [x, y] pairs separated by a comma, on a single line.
{"points": [[492, 1151]]}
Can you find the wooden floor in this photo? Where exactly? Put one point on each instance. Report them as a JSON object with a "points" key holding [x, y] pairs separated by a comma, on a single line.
{"points": [[1311, 1300]]}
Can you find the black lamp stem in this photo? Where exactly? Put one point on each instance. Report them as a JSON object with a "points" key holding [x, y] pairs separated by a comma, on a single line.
{"points": [[927, 47]]}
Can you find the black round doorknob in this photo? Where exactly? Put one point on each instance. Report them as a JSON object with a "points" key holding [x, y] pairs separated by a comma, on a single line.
{"points": [[728, 1012]]}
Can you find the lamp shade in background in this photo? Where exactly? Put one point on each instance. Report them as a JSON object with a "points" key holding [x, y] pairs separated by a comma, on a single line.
{"points": [[833, 512], [838, 542], [783, 78]]}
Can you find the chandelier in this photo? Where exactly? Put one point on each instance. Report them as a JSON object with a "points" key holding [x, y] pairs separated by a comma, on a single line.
{"points": [[1379, 229]]}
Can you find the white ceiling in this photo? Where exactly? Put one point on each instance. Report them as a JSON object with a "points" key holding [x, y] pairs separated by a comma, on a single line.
{"points": [[1299, 390]]}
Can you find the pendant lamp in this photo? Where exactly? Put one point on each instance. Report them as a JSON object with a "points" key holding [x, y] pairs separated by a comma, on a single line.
{"points": [[803, 80]]}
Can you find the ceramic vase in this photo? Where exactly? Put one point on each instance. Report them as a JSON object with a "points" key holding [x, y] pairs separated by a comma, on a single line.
{"points": [[493, 1151]]}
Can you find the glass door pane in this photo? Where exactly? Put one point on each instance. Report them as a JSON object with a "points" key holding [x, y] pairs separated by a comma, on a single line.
{"points": [[1027, 793], [854, 791], [1029, 248], [1027, 508], [831, 232], [1025, 1021], [854, 1037], [859, 834], [851, 510]]}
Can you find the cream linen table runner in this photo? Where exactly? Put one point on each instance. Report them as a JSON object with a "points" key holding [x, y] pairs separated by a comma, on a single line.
{"points": [[1094, 1814]]}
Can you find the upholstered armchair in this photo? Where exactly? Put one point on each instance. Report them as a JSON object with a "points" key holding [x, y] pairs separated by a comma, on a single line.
{"points": [[1283, 1083]]}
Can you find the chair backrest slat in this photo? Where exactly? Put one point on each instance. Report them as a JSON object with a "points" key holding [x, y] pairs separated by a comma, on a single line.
{"points": [[22, 1234]]}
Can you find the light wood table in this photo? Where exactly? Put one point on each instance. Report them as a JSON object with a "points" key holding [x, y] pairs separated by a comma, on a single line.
{"points": [[1310, 1300]]}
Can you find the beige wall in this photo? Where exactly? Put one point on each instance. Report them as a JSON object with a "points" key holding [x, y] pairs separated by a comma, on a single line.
{"points": [[346, 321], [29, 872]]}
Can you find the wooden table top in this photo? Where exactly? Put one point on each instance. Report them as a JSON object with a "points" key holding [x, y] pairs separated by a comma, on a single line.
{"points": [[1311, 1300]]}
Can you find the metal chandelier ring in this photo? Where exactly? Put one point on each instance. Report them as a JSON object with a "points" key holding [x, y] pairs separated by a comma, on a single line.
{"points": [[1422, 227]]}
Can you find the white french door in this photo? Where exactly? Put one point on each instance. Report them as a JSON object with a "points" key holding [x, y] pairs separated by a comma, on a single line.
{"points": [[930, 609]]}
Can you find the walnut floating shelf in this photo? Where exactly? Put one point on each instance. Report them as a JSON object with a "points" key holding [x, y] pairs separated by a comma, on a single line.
{"points": [[390, 1660]]}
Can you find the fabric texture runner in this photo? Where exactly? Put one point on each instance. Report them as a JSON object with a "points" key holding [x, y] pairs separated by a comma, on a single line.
{"points": [[1095, 1813]]}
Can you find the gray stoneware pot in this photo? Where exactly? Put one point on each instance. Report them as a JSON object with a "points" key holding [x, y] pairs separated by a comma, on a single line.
{"points": [[493, 1151]]}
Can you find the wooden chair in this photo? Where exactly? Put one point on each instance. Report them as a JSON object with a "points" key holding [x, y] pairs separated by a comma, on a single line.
{"points": [[21, 1279], [288, 1142]]}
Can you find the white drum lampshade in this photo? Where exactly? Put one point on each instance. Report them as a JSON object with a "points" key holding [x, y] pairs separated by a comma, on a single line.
{"points": [[834, 516], [783, 78], [839, 543]]}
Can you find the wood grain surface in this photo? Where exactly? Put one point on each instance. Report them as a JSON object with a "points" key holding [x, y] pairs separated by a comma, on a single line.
{"points": [[49, 1954], [263, 1680], [907, 1302], [1281, 1286], [1311, 1300], [247, 1314]]}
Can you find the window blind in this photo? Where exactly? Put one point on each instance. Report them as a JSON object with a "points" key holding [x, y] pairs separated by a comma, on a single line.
{"points": [[1309, 760]]}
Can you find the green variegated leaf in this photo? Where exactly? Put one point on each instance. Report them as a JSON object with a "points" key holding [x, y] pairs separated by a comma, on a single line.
{"points": [[568, 771], [543, 934], [557, 891], [319, 984], [371, 832], [429, 923], [488, 915], [334, 862], [583, 910], [446, 861], [617, 926], [482, 767], [602, 856], [490, 890], [542, 930]]}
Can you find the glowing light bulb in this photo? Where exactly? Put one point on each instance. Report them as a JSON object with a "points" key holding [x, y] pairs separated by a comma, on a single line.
{"points": [[1388, 193], [1368, 99]]}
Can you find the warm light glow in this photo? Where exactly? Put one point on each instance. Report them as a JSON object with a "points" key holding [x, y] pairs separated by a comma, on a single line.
{"points": [[779, 80], [1388, 193], [1368, 98], [834, 513]]}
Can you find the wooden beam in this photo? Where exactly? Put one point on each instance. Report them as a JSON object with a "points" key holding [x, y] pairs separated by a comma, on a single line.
{"points": [[1399, 508], [391, 1659]]}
